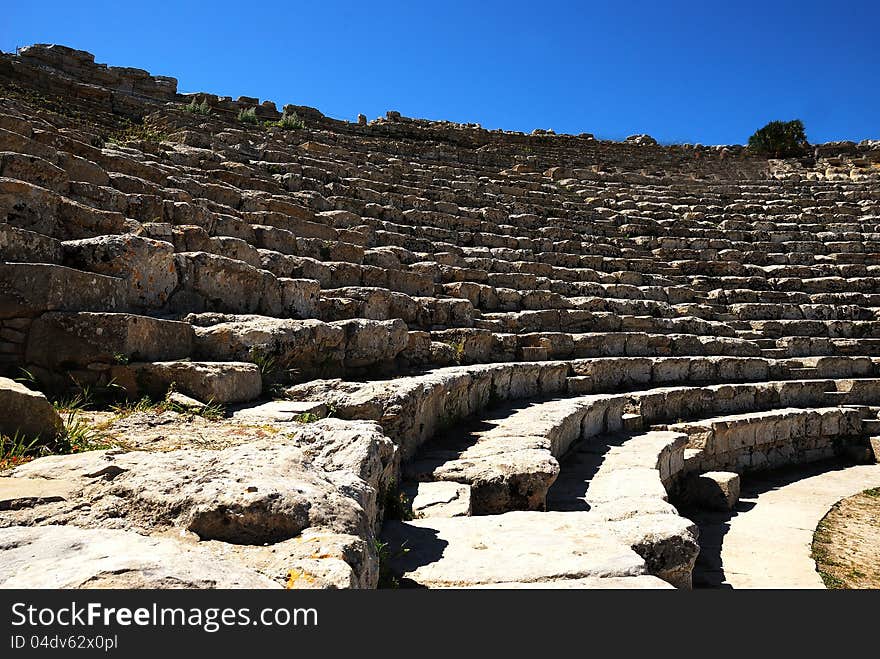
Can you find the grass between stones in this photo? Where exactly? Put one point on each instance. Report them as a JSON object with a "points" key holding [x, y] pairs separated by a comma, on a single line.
{"points": [[210, 411], [846, 544], [76, 436], [79, 434]]}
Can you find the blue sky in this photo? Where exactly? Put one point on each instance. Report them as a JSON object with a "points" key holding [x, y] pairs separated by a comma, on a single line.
{"points": [[683, 71]]}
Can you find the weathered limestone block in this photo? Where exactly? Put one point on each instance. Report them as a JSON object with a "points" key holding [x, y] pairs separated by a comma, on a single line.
{"points": [[443, 312], [508, 474], [404, 281], [369, 342], [478, 346], [190, 238], [841, 367], [215, 283], [25, 246], [609, 374], [715, 490], [28, 289], [275, 239], [264, 503], [26, 412], [82, 169], [378, 303], [742, 368], [76, 220], [63, 340], [339, 219], [28, 206], [801, 393], [673, 369], [667, 543], [293, 344], [114, 159], [218, 382], [418, 349], [33, 169], [71, 557], [13, 141], [356, 448], [441, 354], [299, 297], [234, 248], [147, 265], [280, 411], [316, 559]]}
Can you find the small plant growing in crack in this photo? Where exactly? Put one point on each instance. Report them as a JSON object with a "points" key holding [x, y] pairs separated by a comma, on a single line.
{"points": [[198, 108], [265, 362], [248, 116], [387, 578], [397, 503]]}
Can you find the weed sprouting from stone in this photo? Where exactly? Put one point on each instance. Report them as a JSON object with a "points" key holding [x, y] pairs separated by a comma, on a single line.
{"points": [[17, 449], [210, 411], [289, 121], [397, 503], [198, 108], [248, 116], [387, 578], [265, 362]]}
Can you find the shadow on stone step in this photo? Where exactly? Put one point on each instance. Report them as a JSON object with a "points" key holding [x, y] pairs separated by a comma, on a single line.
{"points": [[409, 547], [709, 567], [577, 468], [450, 443]]}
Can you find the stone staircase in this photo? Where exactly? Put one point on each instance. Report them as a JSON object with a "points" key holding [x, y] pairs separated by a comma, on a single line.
{"points": [[530, 319]]}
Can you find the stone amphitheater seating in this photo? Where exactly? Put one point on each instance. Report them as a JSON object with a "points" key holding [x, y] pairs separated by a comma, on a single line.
{"points": [[541, 337]]}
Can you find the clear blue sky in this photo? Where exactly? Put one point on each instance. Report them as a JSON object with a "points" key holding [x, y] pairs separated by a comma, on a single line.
{"points": [[683, 71]]}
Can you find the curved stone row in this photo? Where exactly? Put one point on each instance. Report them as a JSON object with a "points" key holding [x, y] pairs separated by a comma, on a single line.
{"points": [[617, 481], [412, 409], [510, 457]]}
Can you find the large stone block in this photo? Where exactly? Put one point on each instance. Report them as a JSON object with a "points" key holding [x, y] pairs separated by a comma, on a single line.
{"points": [[70, 557], [715, 490], [29, 289], [310, 347], [33, 169], [147, 265], [369, 342], [28, 206], [218, 382], [27, 412], [215, 283], [64, 340], [267, 505], [530, 547], [27, 246]]}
